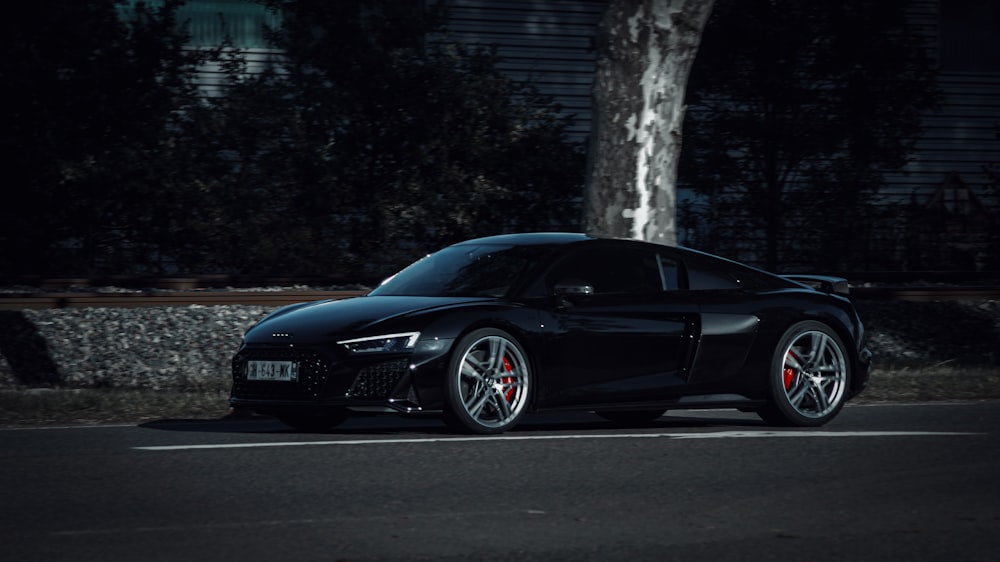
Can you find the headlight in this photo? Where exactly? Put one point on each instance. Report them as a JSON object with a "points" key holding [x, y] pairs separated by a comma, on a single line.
{"points": [[388, 343]]}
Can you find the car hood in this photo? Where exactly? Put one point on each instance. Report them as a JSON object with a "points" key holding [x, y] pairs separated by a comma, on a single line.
{"points": [[360, 316]]}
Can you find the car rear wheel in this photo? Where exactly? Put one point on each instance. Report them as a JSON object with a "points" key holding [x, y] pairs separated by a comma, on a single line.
{"points": [[314, 422], [809, 376], [629, 417], [489, 383]]}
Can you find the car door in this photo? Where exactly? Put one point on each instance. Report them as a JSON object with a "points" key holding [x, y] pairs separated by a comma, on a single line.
{"points": [[727, 325], [616, 332]]}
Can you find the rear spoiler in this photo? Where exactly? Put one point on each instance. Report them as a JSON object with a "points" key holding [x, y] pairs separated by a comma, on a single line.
{"points": [[823, 283]]}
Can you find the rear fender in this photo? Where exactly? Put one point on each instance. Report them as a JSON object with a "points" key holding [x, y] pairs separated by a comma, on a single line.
{"points": [[822, 283]]}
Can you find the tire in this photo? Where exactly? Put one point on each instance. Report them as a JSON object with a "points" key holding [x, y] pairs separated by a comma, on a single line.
{"points": [[808, 378], [630, 417], [314, 422], [489, 383]]}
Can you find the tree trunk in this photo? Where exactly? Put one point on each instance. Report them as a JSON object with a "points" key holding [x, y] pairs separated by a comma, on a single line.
{"points": [[645, 49]]}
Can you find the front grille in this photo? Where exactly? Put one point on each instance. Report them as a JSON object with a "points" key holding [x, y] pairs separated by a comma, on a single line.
{"points": [[313, 374], [377, 381]]}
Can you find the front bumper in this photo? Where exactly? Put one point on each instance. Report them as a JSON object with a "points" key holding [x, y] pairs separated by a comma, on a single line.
{"points": [[390, 382]]}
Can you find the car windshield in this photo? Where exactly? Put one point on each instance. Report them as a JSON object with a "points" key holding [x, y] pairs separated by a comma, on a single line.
{"points": [[468, 270]]}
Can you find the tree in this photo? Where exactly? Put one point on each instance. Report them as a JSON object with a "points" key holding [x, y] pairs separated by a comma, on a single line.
{"points": [[992, 172], [361, 146], [93, 93], [797, 111], [645, 49], [378, 144]]}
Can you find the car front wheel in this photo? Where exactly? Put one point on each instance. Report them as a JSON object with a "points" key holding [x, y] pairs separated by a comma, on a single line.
{"points": [[809, 377], [488, 383]]}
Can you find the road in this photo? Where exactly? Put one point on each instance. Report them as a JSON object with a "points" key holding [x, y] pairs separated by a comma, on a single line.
{"points": [[884, 482]]}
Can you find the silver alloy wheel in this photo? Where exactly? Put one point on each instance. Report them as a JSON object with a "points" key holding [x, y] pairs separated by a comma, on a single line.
{"points": [[814, 374], [489, 382]]}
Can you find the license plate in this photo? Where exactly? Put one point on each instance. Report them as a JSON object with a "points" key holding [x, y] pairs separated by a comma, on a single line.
{"points": [[285, 371]]}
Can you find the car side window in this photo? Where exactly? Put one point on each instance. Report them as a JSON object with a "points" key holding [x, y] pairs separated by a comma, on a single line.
{"points": [[669, 272], [610, 271], [702, 279]]}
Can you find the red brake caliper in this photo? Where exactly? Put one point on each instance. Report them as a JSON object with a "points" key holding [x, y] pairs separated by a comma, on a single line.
{"points": [[789, 373], [509, 395]]}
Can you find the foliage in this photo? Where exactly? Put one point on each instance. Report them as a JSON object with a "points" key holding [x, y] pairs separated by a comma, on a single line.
{"points": [[796, 110], [359, 147], [92, 100], [380, 145], [992, 171]]}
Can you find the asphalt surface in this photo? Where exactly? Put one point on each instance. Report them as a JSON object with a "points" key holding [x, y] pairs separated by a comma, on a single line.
{"points": [[884, 482]]}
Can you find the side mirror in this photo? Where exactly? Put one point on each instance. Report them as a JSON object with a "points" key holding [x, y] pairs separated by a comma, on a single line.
{"points": [[573, 287]]}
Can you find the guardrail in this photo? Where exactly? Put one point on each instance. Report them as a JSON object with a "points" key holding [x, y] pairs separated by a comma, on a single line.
{"points": [[135, 299], [925, 293], [173, 298], [942, 293]]}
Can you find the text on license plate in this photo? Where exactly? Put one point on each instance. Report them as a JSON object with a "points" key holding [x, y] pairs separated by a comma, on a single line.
{"points": [[272, 371]]}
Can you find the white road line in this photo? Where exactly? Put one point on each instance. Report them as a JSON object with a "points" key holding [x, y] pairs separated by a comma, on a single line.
{"points": [[708, 435], [324, 521]]}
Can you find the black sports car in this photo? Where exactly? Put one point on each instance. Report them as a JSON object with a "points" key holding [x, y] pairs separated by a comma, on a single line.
{"points": [[486, 330]]}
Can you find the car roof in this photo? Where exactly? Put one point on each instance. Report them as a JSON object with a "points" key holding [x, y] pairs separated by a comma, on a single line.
{"points": [[573, 238], [531, 239]]}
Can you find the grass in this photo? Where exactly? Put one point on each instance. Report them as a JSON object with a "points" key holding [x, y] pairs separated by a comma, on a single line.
{"points": [[39, 407], [935, 383]]}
